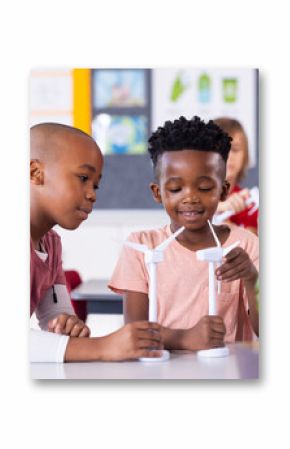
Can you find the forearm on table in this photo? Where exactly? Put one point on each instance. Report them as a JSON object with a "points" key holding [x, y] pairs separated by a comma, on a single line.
{"points": [[85, 349], [173, 338], [136, 305]]}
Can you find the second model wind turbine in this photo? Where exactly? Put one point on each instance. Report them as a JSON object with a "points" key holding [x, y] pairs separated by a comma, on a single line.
{"points": [[213, 255]]}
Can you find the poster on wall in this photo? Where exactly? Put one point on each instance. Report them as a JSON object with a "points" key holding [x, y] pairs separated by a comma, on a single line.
{"points": [[209, 93], [51, 96], [120, 110], [118, 88], [120, 134]]}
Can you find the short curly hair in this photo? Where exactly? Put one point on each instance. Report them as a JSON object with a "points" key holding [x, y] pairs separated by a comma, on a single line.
{"points": [[193, 134]]}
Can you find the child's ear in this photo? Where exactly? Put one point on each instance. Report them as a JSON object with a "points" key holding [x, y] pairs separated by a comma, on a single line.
{"points": [[155, 189], [225, 190], [36, 172]]}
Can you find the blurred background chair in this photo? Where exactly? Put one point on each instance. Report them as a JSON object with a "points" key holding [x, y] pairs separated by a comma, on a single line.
{"points": [[73, 280]]}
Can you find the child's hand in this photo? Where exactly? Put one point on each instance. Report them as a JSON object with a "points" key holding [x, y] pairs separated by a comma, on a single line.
{"points": [[208, 333], [68, 325], [235, 202], [137, 339], [238, 265]]}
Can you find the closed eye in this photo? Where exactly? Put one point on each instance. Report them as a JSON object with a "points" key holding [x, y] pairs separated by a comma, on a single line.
{"points": [[175, 190], [205, 189]]}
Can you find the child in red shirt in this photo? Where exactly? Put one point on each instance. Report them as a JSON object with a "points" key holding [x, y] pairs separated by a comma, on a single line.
{"points": [[237, 165]]}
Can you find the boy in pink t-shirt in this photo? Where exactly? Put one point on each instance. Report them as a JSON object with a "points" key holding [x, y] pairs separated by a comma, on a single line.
{"points": [[189, 158]]}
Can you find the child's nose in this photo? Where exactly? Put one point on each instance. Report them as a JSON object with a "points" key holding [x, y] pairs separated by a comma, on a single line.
{"points": [[191, 200], [191, 197], [91, 195]]}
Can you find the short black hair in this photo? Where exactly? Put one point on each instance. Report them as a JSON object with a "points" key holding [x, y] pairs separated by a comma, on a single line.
{"points": [[50, 127], [43, 136], [193, 134]]}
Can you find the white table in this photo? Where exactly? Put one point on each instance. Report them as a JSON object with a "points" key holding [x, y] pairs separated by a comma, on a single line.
{"points": [[242, 363]]}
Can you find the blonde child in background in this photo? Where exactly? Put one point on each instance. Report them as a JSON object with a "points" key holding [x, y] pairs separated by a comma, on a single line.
{"points": [[237, 166], [65, 171], [189, 159]]}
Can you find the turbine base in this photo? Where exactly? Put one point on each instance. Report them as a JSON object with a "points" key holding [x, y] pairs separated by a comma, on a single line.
{"points": [[214, 352], [165, 356]]}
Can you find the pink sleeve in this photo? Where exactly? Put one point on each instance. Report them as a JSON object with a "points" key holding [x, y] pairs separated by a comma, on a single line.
{"points": [[130, 272], [252, 248]]}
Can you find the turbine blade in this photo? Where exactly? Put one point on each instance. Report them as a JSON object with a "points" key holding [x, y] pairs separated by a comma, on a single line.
{"points": [[229, 248], [216, 239], [253, 210], [254, 197], [137, 246], [220, 218], [166, 242]]}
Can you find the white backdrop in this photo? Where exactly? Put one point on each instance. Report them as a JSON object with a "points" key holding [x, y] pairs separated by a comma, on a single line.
{"points": [[90, 414]]}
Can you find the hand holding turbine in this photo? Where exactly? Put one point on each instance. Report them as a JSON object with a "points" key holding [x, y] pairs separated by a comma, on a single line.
{"points": [[152, 258], [213, 255], [252, 199]]}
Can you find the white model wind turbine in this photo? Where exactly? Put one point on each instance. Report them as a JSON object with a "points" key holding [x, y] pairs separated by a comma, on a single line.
{"points": [[218, 244], [213, 255], [152, 258], [253, 199]]}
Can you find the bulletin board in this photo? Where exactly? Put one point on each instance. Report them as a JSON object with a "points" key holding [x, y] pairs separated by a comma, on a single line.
{"points": [[121, 124], [166, 93]]}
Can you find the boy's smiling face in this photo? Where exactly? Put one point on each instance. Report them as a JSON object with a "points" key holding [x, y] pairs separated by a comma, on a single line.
{"points": [[191, 184], [67, 183]]}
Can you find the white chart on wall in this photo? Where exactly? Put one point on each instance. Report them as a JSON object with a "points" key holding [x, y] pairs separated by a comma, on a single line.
{"points": [[51, 96]]}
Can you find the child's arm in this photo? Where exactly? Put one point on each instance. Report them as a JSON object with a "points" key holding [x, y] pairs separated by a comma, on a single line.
{"points": [[238, 265], [235, 202], [207, 333], [138, 339]]}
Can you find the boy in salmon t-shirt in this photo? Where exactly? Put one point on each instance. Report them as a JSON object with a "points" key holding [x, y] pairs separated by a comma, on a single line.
{"points": [[189, 159]]}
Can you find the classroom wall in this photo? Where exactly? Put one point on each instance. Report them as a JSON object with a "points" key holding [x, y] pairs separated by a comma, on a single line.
{"points": [[93, 248], [121, 107]]}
